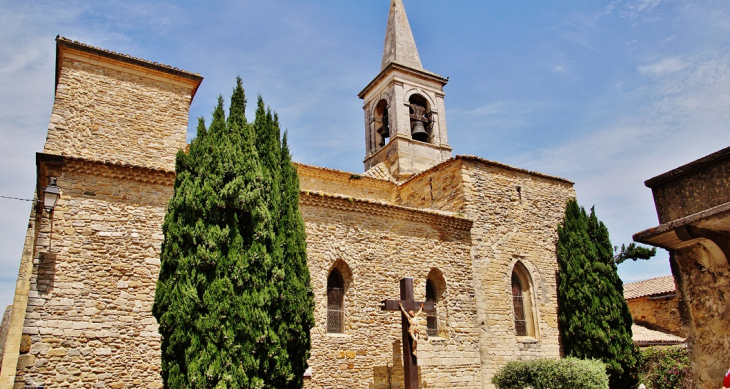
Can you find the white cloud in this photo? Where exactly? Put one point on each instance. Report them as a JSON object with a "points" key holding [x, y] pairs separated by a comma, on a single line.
{"points": [[664, 66], [684, 117]]}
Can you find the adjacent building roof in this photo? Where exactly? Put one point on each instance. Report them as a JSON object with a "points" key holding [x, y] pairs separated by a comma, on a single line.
{"points": [[646, 337], [650, 287]]}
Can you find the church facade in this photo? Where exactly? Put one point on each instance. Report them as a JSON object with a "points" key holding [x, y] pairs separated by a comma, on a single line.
{"points": [[477, 236]]}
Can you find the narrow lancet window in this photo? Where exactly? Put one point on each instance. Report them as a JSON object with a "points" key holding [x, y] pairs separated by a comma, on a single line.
{"points": [[432, 328], [335, 302], [518, 303]]}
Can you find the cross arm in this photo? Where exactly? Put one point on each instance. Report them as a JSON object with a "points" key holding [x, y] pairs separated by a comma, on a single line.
{"points": [[392, 305]]}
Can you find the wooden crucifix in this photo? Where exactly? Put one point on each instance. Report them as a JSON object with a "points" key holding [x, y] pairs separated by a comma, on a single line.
{"points": [[407, 302]]}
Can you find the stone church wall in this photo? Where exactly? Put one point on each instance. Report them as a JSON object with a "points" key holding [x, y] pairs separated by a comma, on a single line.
{"points": [[324, 180], [438, 188], [105, 112], [516, 214], [374, 247], [89, 317]]}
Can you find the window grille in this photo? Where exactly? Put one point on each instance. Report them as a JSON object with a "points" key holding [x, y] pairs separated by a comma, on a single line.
{"points": [[335, 311], [519, 307], [432, 328]]}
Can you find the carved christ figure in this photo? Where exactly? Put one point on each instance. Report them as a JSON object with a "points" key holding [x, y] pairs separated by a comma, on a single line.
{"points": [[413, 329]]}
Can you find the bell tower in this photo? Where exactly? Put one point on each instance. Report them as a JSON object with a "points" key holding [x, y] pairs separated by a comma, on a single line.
{"points": [[405, 122]]}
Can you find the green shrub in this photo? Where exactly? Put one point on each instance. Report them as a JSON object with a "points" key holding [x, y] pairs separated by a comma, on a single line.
{"points": [[552, 374], [666, 368]]}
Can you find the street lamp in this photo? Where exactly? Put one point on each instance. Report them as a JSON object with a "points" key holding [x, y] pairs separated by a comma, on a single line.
{"points": [[51, 195]]}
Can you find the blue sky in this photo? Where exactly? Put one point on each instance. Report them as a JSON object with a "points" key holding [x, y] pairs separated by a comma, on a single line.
{"points": [[604, 93]]}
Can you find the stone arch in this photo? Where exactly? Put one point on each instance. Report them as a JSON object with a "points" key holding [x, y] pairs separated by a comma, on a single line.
{"points": [[418, 91], [344, 270], [383, 97], [437, 277], [524, 309]]}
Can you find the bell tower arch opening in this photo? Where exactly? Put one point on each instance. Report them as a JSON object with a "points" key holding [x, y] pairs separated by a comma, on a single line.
{"points": [[420, 118], [382, 123]]}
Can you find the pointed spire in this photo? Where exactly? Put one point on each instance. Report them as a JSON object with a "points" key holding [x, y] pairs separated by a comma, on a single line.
{"points": [[400, 46]]}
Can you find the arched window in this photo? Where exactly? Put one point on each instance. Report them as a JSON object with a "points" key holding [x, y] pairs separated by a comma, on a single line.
{"points": [[518, 302], [436, 321], [335, 302], [432, 328], [523, 307]]}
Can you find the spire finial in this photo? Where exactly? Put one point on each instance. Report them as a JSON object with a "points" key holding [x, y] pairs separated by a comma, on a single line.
{"points": [[400, 46]]}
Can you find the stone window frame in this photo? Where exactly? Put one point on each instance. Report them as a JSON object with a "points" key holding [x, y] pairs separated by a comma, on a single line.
{"points": [[520, 271], [343, 272], [437, 280]]}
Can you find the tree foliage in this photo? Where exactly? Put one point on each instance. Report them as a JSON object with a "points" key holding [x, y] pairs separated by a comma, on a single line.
{"points": [[233, 299], [633, 252], [595, 321]]}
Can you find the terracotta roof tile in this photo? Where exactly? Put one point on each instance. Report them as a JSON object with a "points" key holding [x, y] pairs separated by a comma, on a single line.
{"points": [[650, 287], [378, 172]]}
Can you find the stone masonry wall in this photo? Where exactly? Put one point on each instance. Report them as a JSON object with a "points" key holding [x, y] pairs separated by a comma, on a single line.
{"points": [[661, 314], [332, 181], [439, 188], [515, 215], [104, 114], [89, 317], [374, 247]]}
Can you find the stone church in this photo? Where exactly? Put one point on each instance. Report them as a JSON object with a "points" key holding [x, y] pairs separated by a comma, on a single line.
{"points": [[476, 236]]}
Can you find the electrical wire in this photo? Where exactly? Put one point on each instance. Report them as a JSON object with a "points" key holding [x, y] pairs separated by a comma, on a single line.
{"points": [[16, 198]]}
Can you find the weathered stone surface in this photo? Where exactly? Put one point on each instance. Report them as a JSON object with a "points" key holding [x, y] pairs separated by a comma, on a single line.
{"points": [[4, 327], [692, 188], [661, 314], [25, 344], [96, 97], [693, 205]]}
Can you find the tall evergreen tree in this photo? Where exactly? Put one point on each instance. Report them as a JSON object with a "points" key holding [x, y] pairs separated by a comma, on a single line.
{"points": [[595, 321], [223, 266], [295, 315]]}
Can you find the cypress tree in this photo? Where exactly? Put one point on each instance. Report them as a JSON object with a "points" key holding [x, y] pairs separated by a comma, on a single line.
{"points": [[595, 321], [220, 294], [296, 310]]}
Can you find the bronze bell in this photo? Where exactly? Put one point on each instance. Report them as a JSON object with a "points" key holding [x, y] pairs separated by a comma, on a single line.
{"points": [[418, 132], [384, 131]]}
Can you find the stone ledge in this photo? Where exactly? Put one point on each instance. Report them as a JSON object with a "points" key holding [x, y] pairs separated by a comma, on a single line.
{"points": [[109, 169], [490, 163]]}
